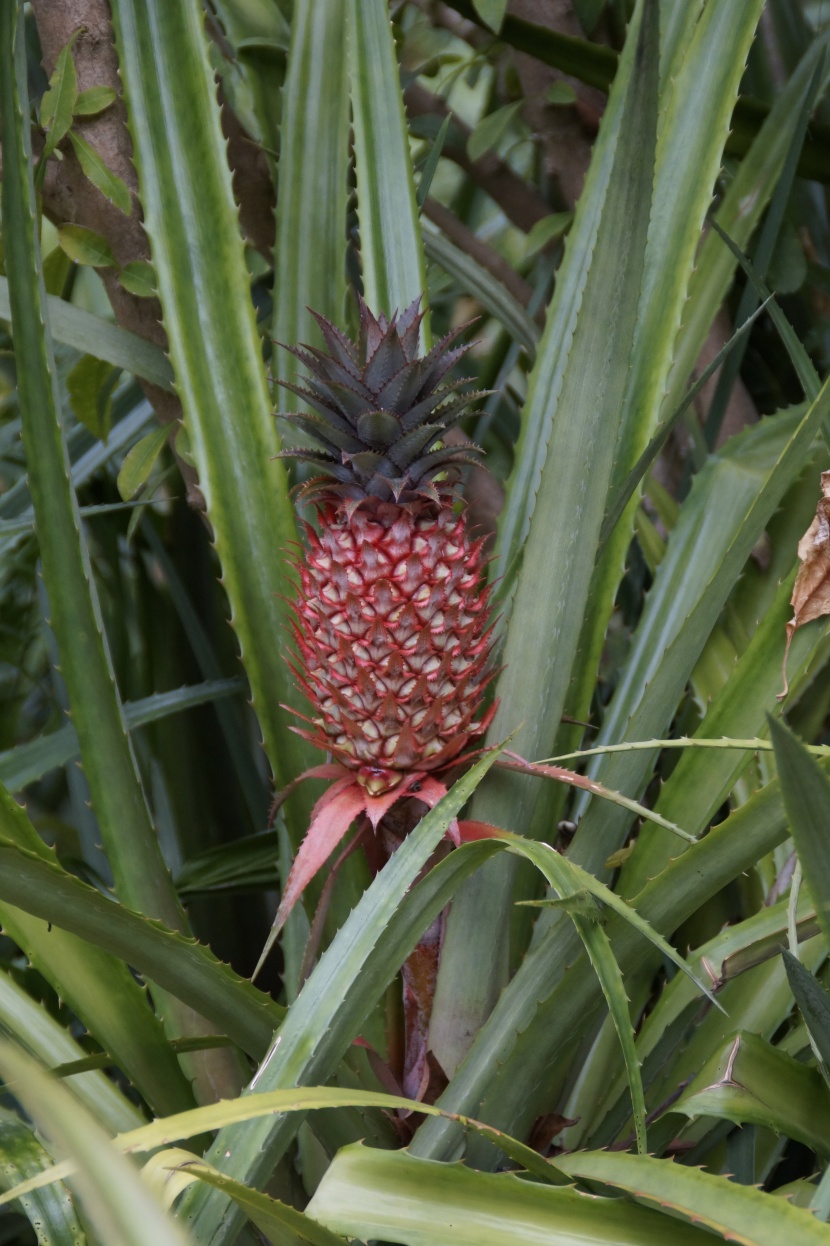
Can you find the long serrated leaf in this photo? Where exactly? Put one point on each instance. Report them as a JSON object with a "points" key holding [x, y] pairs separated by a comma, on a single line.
{"points": [[49, 1210], [739, 212], [391, 250], [119, 1206], [93, 335], [278, 1222], [191, 221], [394, 1196], [813, 1001], [328, 1012], [806, 791], [751, 1081], [482, 285], [26, 763], [36, 1030], [248, 1107], [601, 956], [110, 765], [738, 1213], [563, 468], [674, 628], [178, 964], [310, 256], [553, 997], [581, 416]]}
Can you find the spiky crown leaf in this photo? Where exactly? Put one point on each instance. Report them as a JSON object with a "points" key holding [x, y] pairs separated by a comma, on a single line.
{"points": [[379, 409]]}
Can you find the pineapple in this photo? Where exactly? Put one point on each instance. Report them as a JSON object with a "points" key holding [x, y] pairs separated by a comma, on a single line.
{"points": [[393, 641], [391, 626]]}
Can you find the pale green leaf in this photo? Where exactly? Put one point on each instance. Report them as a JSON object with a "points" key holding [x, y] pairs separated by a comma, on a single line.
{"points": [[491, 12], [561, 93], [94, 100], [491, 129], [110, 184], [546, 230], [739, 1213], [49, 1209], [140, 461], [118, 1205], [59, 100], [391, 251], [85, 246], [139, 279], [392, 1196]]}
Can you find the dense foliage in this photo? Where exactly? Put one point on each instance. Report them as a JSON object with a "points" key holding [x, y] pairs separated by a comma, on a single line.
{"points": [[622, 209]]}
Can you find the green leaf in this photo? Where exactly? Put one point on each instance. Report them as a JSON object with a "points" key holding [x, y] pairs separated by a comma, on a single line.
{"points": [[561, 93], [100, 990], [59, 100], [310, 254], [491, 129], [49, 1210], [85, 246], [25, 763], [117, 1203], [110, 765], [332, 1005], [482, 285], [94, 100], [90, 385], [191, 220], [431, 162], [564, 465], [110, 184], [140, 461], [139, 278], [813, 1001], [739, 1213], [248, 1107], [750, 1081], [392, 1196], [491, 12], [278, 1222], [26, 1021], [391, 250], [92, 335], [178, 964], [806, 791], [546, 230]]}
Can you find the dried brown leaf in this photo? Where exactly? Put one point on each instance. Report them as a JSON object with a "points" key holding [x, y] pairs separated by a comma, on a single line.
{"points": [[811, 592]]}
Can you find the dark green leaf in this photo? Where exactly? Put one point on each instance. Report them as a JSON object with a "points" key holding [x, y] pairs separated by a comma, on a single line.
{"points": [[813, 1001], [806, 792], [90, 385]]}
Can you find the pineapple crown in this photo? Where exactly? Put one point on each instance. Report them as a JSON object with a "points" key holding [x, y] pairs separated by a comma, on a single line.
{"points": [[379, 408]]}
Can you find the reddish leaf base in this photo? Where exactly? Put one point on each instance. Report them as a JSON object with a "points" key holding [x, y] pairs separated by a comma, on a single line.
{"points": [[334, 813], [346, 800]]}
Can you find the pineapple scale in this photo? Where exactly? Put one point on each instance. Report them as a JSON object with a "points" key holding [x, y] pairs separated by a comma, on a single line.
{"points": [[392, 636]]}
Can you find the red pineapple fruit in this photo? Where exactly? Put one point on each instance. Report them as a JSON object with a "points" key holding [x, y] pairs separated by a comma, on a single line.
{"points": [[391, 617]]}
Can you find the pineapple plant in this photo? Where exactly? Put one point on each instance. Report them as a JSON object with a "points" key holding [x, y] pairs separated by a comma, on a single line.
{"points": [[392, 630]]}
